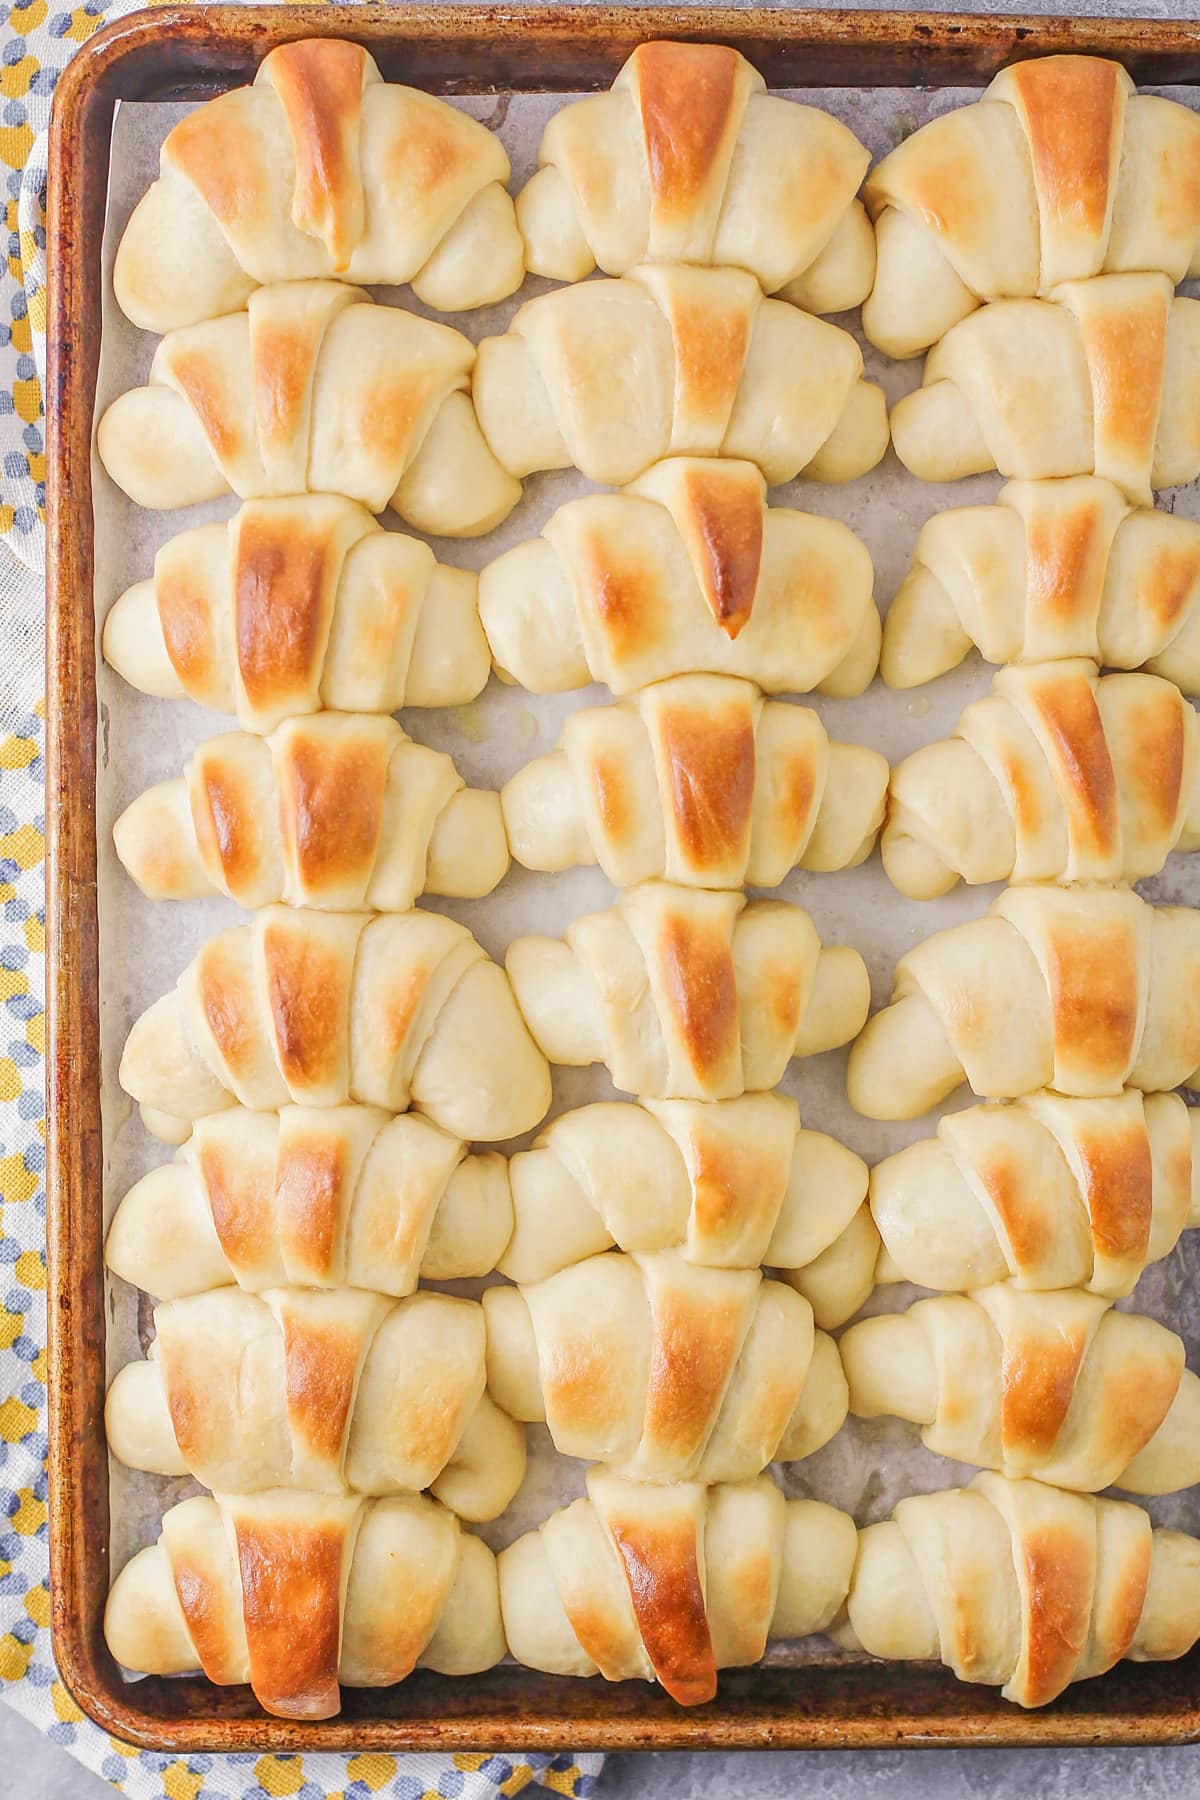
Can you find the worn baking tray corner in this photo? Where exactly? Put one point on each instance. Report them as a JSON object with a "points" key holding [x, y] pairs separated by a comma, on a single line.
{"points": [[185, 52]]}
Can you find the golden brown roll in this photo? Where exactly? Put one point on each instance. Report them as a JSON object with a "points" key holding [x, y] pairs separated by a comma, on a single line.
{"points": [[293, 1593], [320, 167]]}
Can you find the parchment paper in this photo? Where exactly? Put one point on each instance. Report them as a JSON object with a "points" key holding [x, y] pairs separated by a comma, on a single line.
{"points": [[144, 945]]}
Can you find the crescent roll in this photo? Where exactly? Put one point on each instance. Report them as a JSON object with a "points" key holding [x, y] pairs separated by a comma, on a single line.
{"points": [[333, 810], [1052, 1384], [686, 994], [1057, 776], [699, 780], [335, 1390], [729, 1183], [292, 1593], [1021, 1587], [297, 605], [609, 377], [311, 388], [673, 1584], [333, 1196], [689, 159], [320, 167], [1086, 990], [1056, 569], [687, 571], [1059, 172], [393, 1010], [1102, 378], [665, 1370], [1047, 1193]]}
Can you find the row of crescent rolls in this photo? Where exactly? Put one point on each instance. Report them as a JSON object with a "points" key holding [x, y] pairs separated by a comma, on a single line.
{"points": [[324, 1067], [1031, 243], [1008, 1583]]}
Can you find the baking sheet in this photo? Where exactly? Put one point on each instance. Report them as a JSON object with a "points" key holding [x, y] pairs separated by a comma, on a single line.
{"points": [[144, 944]]}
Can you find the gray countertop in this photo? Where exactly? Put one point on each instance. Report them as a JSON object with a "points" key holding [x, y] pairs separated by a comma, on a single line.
{"points": [[35, 1769]]}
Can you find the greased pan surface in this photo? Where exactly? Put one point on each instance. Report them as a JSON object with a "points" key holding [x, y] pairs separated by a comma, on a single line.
{"points": [[191, 53]]}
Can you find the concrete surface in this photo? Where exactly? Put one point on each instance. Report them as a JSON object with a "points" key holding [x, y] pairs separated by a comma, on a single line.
{"points": [[34, 1769]]}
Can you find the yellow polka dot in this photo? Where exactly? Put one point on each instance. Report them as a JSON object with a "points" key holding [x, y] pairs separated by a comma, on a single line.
{"points": [[7, 515], [17, 752], [17, 76], [38, 1368], [12, 981], [16, 1419], [10, 1080], [35, 935], [31, 1270], [11, 1326], [179, 1783], [22, 337], [83, 25], [16, 141], [37, 1605], [14, 1658], [279, 1778], [520, 1778], [64, 1706], [561, 1781], [16, 1181], [24, 19], [35, 1033], [470, 1760], [129, 1751], [30, 408], [30, 1515], [375, 1770], [37, 311], [25, 845]]}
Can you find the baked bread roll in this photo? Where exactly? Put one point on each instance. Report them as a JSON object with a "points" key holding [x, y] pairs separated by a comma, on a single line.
{"points": [[1057, 569], [685, 571], [399, 1010], [1054, 1384], [1058, 776], [312, 389], [1022, 1587], [608, 377], [298, 605], [671, 1584], [335, 1390], [292, 1592], [320, 168], [701, 781], [335, 1196], [1086, 991], [333, 810], [685, 994], [1047, 1193], [689, 159], [1059, 172], [664, 1370], [729, 1183], [1102, 378]]}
